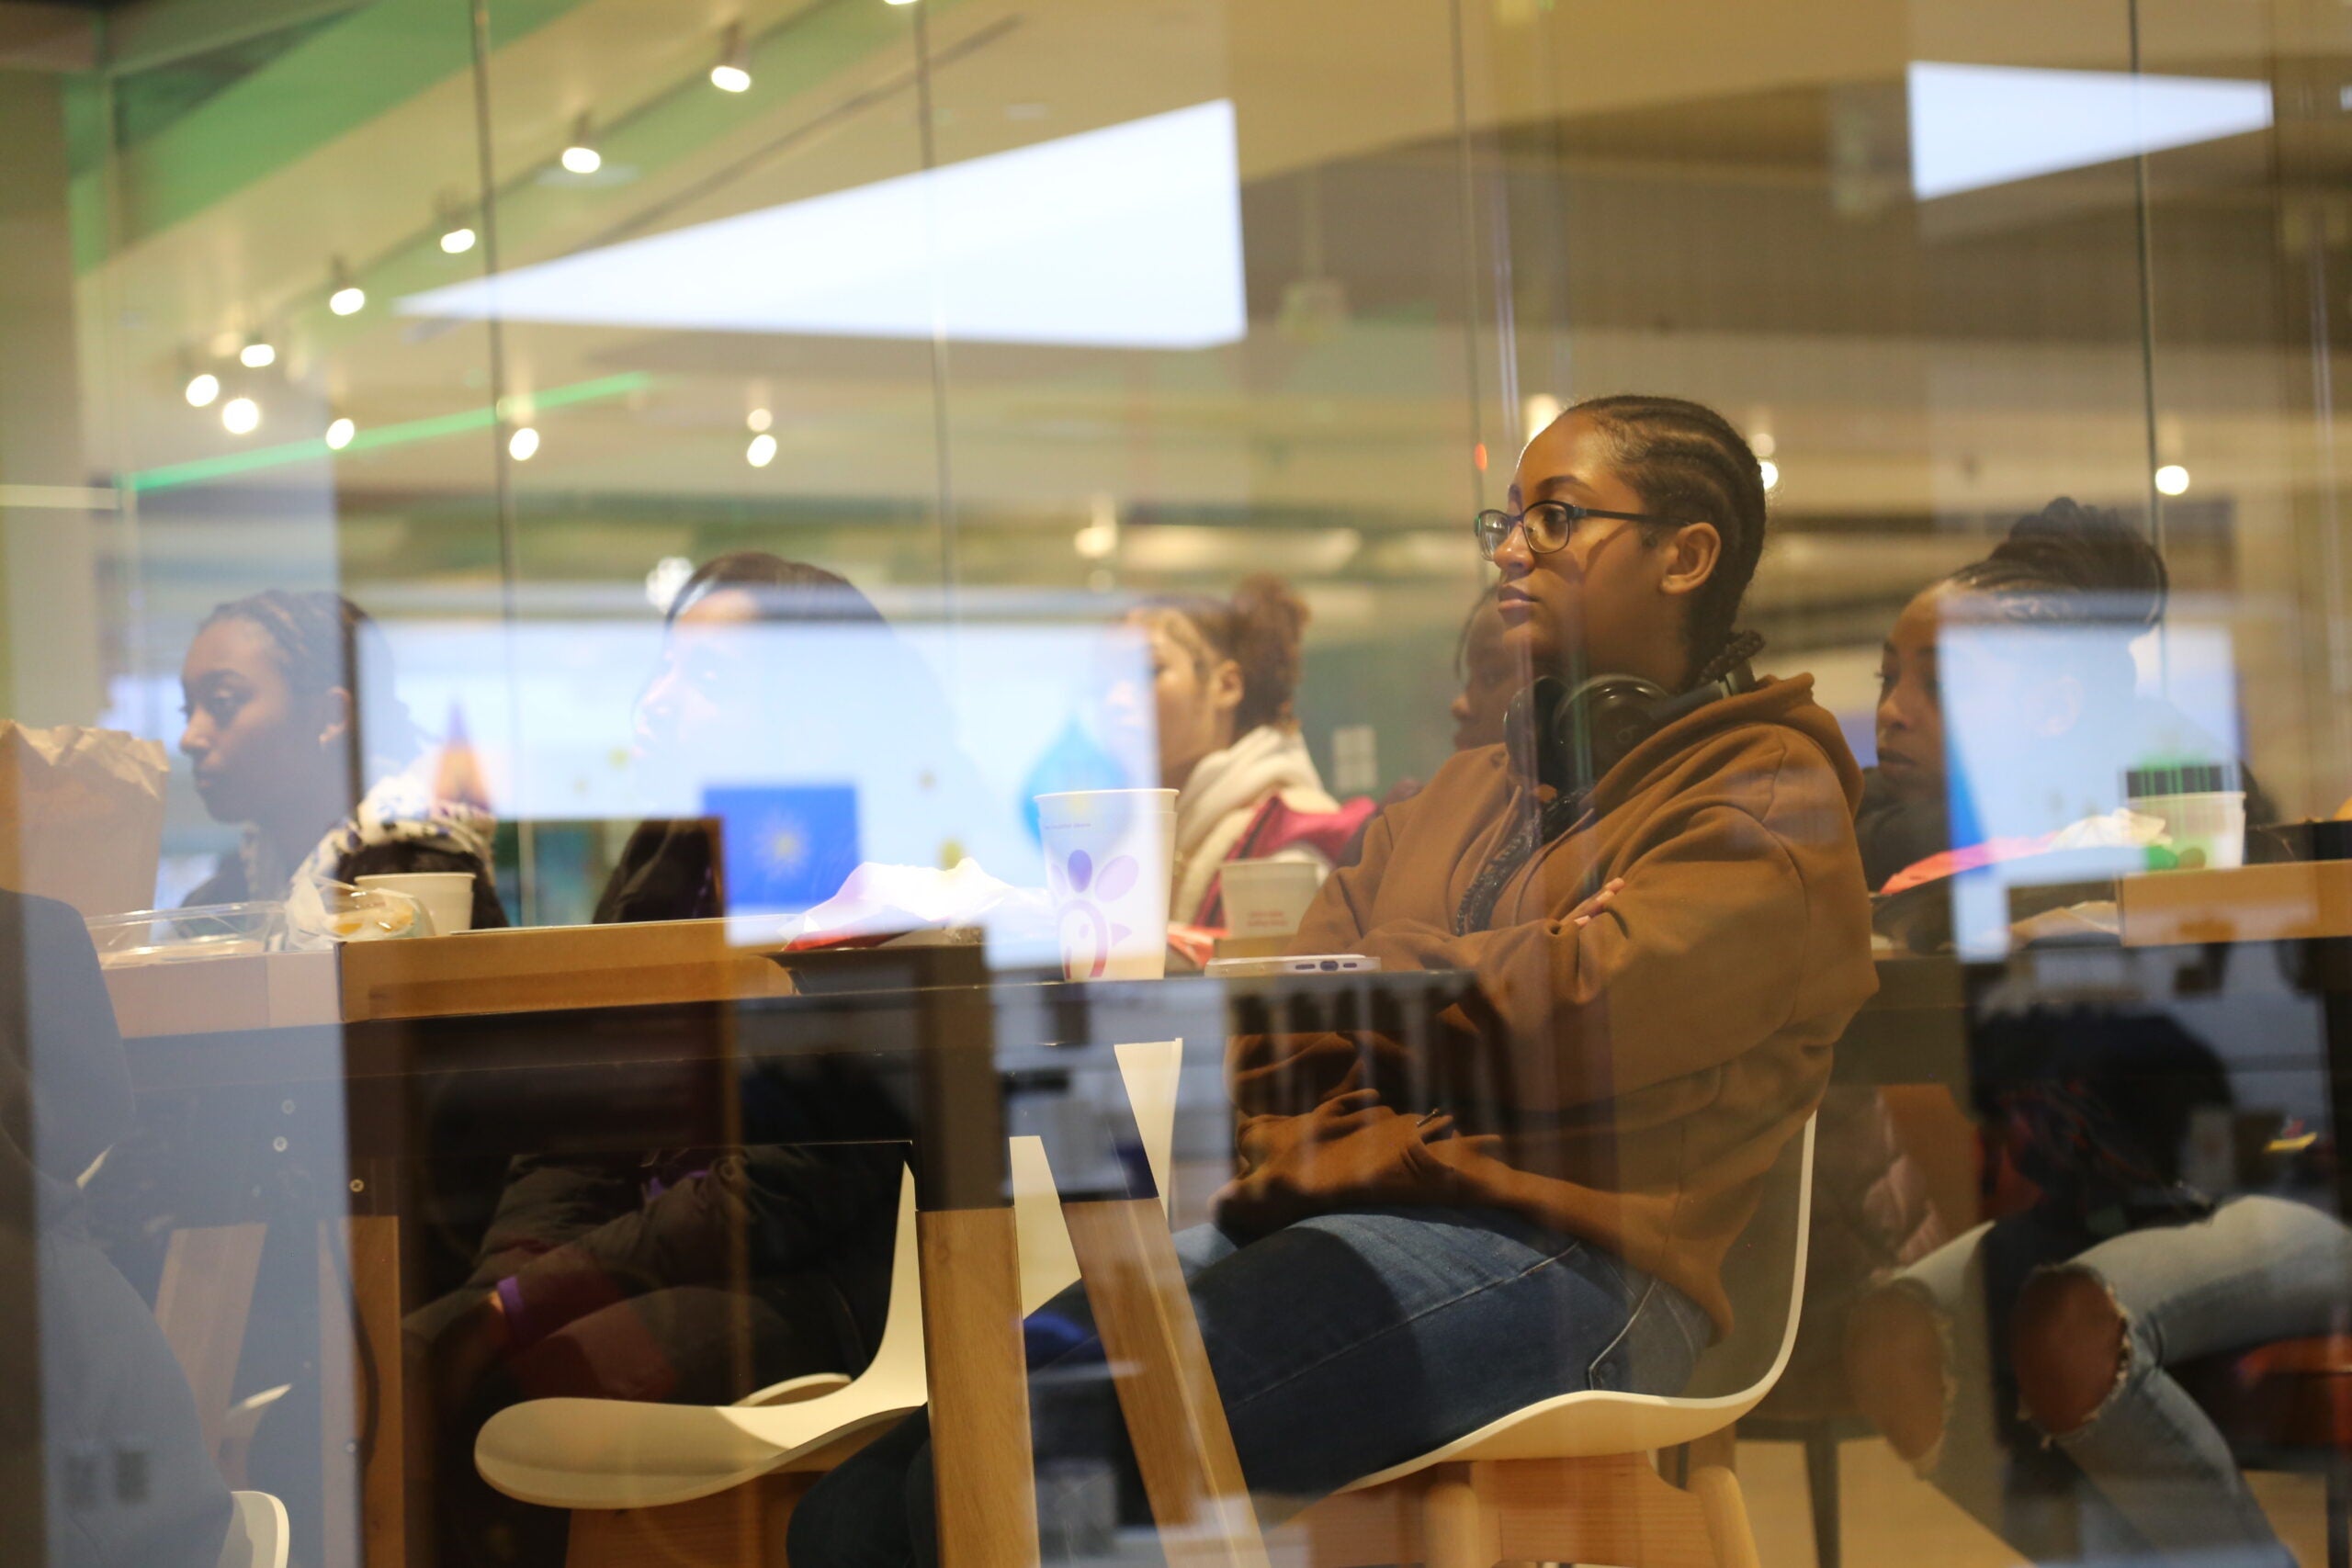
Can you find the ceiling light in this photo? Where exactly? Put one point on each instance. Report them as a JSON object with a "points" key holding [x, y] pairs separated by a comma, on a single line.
{"points": [[1762, 444], [257, 355], [2172, 479], [761, 452], [733, 71], [581, 157], [458, 240], [1771, 472], [202, 388], [347, 298], [523, 444], [339, 432], [898, 2], [456, 229], [241, 417], [759, 419]]}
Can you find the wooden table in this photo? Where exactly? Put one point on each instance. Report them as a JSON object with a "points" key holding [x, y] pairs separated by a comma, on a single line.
{"points": [[533, 1030]]}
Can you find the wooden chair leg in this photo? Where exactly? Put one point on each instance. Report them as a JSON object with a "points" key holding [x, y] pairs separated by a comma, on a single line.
{"points": [[206, 1296], [1821, 1487], [1457, 1529], [1716, 1485], [740, 1528], [2339, 1512]]}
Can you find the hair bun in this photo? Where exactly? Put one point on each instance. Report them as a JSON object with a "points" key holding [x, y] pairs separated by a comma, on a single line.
{"points": [[1269, 630], [2082, 549]]}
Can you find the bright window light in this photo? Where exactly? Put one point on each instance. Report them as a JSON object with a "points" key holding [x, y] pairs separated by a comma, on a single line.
{"points": [[241, 417], [1124, 237], [339, 434], [1973, 125], [202, 388]]}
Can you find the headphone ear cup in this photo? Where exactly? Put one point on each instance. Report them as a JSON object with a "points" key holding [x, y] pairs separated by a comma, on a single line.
{"points": [[1617, 715], [1529, 725]]}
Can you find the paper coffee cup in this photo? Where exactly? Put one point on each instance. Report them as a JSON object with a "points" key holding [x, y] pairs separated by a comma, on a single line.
{"points": [[1266, 897], [1108, 855], [447, 897]]}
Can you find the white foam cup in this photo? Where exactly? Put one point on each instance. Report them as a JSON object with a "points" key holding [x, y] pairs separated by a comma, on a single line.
{"points": [[1266, 897], [447, 897], [1108, 856]]}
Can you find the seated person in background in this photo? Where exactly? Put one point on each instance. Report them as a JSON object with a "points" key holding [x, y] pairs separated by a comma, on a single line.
{"points": [[1223, 675], [293, 730], [96, 1422], [2025, 1364], [1668, 944], [693, 1276]]}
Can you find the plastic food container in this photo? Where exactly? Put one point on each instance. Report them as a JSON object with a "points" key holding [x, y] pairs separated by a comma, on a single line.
{"points": [[2202, 807], [177, 936]]}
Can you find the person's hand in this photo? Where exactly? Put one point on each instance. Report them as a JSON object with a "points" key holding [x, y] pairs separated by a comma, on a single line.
{"points": [[1581, 916]]}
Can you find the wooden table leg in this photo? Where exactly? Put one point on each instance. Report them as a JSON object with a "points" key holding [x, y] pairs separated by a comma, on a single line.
{"points": [[1175, 1419], [366, 1490], [979, 1389]]}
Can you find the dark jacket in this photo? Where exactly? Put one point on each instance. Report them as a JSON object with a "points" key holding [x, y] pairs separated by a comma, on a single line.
{"points": [[109, 1443]]}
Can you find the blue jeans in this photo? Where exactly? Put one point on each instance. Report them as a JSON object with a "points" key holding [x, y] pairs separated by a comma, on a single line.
{"points": [[1342, 1345], [2161, 1483]]}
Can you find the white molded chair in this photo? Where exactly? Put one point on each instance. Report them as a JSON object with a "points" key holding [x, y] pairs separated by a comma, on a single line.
{"points": [[608, 1454], [257, 1532], [1570, 1479]]}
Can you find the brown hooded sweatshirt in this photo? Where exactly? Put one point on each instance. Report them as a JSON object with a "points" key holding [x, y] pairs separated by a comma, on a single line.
{"points": [[1629, 1082]]}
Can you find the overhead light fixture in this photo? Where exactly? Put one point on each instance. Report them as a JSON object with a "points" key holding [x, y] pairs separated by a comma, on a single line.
{"points": [[733, 71], [241, 417], [457, 228], [340, 431], [759, 419], [1771, 472], [202, 388], [898, 2], [2172, 479], [1763, 444], [581, 157], [523, 444], [346, 297], [762, 451], [257, 355]]}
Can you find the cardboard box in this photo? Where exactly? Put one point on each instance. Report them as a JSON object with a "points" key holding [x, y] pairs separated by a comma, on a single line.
{"points": [[205, 995]]}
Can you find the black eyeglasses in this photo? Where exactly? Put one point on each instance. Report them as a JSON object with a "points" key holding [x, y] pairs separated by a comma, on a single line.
{"points": [[1548, 524]]}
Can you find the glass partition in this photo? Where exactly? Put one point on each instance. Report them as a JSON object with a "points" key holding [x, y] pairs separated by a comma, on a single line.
{"points": [[798, 474]]}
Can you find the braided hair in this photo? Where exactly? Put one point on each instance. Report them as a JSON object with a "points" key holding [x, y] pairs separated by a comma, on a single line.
{"points": [[1262, 628], [324, 642], [1689, 466], [2071, 563]]}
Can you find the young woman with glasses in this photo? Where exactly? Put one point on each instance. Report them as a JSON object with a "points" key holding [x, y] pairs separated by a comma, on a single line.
{"points": [[1419, 1245]]}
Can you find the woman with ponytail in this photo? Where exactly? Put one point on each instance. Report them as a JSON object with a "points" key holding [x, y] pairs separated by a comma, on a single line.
{"points": [[1537, 1198], [293, 730], [2024, 1368], [1223, 675]]}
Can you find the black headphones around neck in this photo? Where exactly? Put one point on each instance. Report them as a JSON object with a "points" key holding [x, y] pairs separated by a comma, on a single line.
{"points": [[1568, 738]]}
